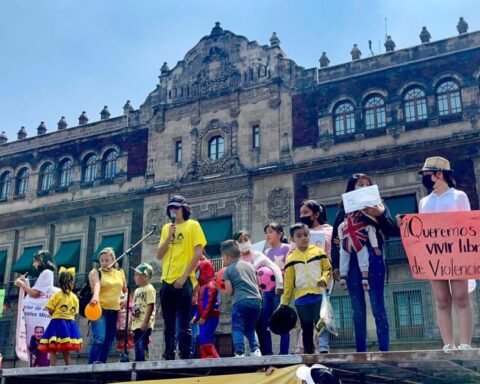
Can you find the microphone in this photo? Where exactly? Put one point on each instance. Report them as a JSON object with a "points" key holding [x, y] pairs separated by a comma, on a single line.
{"points": [[173, 216]]}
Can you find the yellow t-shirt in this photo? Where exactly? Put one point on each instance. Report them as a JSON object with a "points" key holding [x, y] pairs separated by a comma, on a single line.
{"points": [[181, 249], [143, 296], [63, 305], [111, 285]]}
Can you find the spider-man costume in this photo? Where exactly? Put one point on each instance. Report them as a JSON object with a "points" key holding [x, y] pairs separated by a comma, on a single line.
{"points": [[207, 309]]}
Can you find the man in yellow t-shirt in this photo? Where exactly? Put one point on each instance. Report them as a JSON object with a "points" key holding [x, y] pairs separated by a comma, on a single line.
{"points": [[180, 249]]}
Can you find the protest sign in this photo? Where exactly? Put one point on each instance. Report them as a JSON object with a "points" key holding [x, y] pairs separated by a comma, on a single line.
{"points": [[260, 246], [361, 198], [442, 246], [31, 313]]}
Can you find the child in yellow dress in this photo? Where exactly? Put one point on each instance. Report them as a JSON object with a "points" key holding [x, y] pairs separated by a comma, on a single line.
{"points": [[62, 334]]}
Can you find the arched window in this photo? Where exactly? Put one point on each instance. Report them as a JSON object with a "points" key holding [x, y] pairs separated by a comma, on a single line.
{"points": [[46, 177], [90, 168], [448, 98], [375, 115], [110, 166], [66, 173], [344, 118], [415, 103], [22, 181], [5, 185], [216, 147]]}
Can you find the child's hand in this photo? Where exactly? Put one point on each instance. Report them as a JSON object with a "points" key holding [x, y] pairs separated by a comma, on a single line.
{"points": [[279, 291], [378, 252], [144, 327], [201, 321], [322, 284]]}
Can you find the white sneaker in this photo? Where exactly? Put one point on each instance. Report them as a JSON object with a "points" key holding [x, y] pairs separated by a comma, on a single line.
{"points": [[464, 347], [239, 354], [449, 348], [256, 353]]}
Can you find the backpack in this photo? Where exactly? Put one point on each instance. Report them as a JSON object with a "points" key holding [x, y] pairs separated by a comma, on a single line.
{"points": [[85, 295]]}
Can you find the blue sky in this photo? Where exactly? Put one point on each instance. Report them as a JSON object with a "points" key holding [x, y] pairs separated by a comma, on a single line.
{"points": [[62, 57]]}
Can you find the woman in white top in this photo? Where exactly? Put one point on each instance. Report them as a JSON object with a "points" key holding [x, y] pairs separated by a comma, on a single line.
{"points": [[36, 298], [437, 178]]}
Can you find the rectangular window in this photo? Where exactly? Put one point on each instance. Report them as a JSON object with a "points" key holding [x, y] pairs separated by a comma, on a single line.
{"points": [[256, 136], [409, 314], [178, 151]]}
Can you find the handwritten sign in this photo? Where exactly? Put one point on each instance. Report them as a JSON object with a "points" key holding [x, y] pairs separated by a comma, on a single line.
{"points": [[361, 198], [442, 246]]}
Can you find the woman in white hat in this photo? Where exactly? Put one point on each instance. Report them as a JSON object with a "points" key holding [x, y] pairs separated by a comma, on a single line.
{"points": [[437, 178]]}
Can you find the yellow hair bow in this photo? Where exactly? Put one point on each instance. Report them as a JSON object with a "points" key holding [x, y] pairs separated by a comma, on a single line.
{"points": [[70, 270]]}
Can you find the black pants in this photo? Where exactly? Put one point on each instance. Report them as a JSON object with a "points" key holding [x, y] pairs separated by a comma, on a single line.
{"points": [[176, 304], [309, 315]]}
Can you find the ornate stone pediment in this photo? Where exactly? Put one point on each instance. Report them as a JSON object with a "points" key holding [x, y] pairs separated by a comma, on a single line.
{"points": [[218, 74], [227, 164]]}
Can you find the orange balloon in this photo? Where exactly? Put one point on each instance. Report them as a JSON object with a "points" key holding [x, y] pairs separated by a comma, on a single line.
{"points": [[93, 312]]}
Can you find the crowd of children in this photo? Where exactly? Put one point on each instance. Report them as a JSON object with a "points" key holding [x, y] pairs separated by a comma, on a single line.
{"points": [[296, 273]]}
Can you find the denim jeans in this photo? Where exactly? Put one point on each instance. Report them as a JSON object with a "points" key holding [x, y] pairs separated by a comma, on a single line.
{"points": [[176, 304], [141, 344], [376, 279], [103, 333], [245, 314], [270, 302], [309, 315]]}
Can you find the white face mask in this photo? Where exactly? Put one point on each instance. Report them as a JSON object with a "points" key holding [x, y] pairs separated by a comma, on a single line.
{"points": [[245, 247], [360, 186]]}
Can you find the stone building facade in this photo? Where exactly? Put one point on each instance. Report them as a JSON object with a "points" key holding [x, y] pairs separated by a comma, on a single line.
{"points": [[246, 134]]}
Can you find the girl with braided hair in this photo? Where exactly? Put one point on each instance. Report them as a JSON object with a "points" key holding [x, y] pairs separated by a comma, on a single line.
{"points": [[62, 334]]}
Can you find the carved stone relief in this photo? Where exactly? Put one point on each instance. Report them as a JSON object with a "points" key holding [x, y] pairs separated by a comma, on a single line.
{"points": [[278, 206], [155, 216]]}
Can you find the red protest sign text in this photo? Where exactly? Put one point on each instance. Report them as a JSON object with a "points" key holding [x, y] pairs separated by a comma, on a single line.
{"points": [[442, 246]]}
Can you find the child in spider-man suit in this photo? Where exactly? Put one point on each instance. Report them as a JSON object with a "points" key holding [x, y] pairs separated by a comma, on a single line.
{"points": [[207, 309]]}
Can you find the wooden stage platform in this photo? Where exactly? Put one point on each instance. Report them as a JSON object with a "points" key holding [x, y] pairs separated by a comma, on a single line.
{"points": [[433, 367]]}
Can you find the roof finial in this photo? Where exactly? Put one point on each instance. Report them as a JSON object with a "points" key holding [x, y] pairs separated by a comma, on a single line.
{"points": [[462, 26], [389, 44], [425, 35], [355, 52], [127, 108], [164, 68], [83, 118], [3, 138], [62, 124], [274, 40], [41, 129], [22, 133], [324, 61], [105, 113], [216, 30]]}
